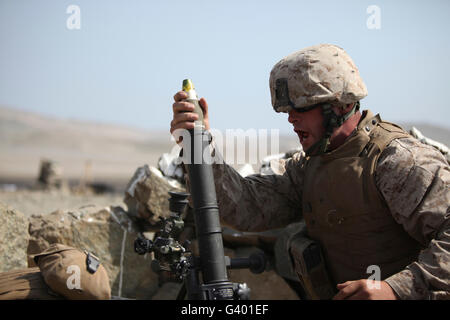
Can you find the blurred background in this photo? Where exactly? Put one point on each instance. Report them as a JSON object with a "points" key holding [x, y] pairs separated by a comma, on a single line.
{"points": [[90, 84]]}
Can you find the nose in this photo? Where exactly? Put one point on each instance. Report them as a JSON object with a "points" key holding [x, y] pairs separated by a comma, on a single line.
{"points": [[293, 116]]}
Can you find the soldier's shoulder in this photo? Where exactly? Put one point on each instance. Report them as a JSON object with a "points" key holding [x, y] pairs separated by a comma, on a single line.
{"points": [[409, 151], [407, 166]]}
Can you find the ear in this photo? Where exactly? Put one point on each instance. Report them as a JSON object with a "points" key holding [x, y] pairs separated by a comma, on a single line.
{"points": [[341, 111]]}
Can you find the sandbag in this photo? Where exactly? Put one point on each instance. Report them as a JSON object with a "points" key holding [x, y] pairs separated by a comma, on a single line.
{"points": [[74, 274]]}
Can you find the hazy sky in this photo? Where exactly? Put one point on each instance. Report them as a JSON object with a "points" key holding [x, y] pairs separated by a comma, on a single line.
{"points": [[128, 58]]}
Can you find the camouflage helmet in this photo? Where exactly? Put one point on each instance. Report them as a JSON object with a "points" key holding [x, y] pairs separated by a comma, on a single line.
{"points": [[314, 75]]}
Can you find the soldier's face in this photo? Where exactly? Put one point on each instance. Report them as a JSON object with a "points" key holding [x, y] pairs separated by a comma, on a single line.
{"points": [[308, 126]]}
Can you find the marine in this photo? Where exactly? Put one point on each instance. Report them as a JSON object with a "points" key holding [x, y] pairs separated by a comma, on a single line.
{"points": [[369, 193]]}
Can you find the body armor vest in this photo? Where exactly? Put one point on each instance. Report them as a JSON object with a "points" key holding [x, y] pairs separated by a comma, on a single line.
{"points": [[345, 212]]}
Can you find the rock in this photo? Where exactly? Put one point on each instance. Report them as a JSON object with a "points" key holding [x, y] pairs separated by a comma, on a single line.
{"points": [[106, 232], [50, 174], [146, 195], [246, 170], [13, 240], [438, 145], [171, 167], [274, 164]]}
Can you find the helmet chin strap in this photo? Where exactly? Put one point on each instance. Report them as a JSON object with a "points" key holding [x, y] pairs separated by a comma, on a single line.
{"points": [[330, 121]]}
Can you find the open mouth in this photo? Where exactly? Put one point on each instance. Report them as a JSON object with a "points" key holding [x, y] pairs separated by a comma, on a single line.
{"points": [[303, 135]]}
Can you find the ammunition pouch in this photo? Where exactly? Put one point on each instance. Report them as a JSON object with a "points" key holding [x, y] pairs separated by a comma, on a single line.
{"points": [[304, 257], [73, 274]]}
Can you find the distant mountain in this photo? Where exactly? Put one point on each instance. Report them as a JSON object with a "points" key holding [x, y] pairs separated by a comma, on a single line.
{"points": [[114, 151], [20, 125]]}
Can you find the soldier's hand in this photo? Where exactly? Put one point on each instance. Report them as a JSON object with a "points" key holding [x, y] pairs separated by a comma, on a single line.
{"points": [[365, 289], [183, 115]]}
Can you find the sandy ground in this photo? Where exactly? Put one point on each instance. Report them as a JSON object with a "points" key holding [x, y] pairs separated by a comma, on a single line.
{"points": [[31, 202]]}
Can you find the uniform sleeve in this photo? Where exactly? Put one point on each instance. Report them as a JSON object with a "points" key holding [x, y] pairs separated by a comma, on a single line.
{"points": [[414, 181], [258, 202]]}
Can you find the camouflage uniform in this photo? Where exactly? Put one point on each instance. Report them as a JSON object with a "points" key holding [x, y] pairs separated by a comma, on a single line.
{"points": [[413, 179]]}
